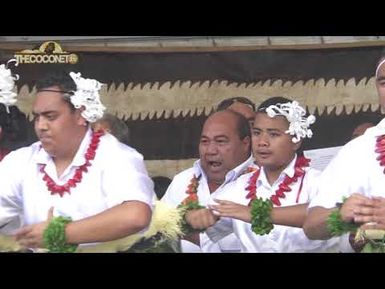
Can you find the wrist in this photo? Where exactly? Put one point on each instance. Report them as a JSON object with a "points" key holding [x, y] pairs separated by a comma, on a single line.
{"points": [[54, 236], [336, 226]]}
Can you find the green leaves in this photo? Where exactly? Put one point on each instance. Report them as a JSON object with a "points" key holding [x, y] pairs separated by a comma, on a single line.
{"points": [[260, 216], [186, 228], [54, 237], [337, 227]]}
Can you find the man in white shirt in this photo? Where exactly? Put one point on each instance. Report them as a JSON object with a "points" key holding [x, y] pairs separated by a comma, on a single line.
{"points": [[357, 174], [99, 186], [224, 151]]}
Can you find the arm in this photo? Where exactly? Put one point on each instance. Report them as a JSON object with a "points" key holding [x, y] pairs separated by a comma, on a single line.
{"points": [[293, 216], [114, 223], [357, 208]]}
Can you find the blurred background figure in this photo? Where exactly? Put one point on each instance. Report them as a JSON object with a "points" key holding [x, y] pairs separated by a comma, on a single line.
{"points": [[161, 184], [239, 104], [361, 128], [13, 129], [113, 125]]}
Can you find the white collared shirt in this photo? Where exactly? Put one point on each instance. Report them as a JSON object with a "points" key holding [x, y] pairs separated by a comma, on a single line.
{"points": [[353, 170], [281, 238], [117, 174], [176, 193]]}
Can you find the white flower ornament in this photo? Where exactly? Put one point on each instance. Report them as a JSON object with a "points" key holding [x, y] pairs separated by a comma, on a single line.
{"points": [[7, 84], [295, 114], [87, 95]]}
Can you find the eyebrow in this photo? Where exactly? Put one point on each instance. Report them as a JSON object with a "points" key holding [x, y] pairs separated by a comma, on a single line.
{"points": [[34, 113]]}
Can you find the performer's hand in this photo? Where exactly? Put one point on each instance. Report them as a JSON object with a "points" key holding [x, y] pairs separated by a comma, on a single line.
{"points": [[232, 210], [377, 219], [200, 219], [32, 236], [357, 208]]}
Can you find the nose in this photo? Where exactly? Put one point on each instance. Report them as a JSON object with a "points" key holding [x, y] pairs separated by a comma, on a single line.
{"points": [[263, 140], [41, 124], [212, 148]]}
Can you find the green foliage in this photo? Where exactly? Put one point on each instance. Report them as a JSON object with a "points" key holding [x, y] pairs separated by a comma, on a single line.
{"points": [[54, 237], [186, 228], [337, 227], [260, 216]]}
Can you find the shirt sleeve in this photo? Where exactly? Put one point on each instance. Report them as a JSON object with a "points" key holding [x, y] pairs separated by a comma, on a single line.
{"points": [[10, 192], [341, 178], [126, 179]]}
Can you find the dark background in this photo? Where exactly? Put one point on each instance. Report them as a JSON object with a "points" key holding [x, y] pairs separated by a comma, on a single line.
{"points": [[177, 137]]}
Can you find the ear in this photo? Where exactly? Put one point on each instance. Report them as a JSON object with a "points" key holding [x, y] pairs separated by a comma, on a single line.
{"points": [[80, 120], [297, 145], [247, 142]]}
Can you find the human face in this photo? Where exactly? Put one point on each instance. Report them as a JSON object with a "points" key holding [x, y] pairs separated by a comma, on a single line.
{"points": [[380, 85], [56, 126], [272, 147], [245, 110], [220, 147]]}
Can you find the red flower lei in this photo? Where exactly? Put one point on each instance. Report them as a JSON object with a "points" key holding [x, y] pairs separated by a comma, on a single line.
{"points": [[192, 188], [77, 178], [192, 191], [299, 172], [380, 149]]}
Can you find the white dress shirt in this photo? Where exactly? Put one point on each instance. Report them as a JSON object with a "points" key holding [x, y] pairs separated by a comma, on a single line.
{"points": [[353, 170], [281, 238], [117, 174], [176, 193]]}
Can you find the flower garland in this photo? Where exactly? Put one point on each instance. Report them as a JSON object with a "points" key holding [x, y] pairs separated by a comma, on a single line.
{"points": [[77, 178], [283, 187], [261, 209]]}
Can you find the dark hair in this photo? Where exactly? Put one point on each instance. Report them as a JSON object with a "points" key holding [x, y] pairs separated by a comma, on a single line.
{"points": [[226, 103], [61, 79], [118, 127], [14, 127], [272, 101], [160, 185]]}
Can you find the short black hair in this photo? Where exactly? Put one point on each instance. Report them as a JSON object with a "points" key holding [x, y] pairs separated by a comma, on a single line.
{"points": [[226, 103], [63, 80], [272, 101]]}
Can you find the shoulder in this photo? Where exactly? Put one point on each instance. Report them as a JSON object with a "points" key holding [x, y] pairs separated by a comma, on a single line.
{"points": [[24, 154], [114, 150], [184, 176]]}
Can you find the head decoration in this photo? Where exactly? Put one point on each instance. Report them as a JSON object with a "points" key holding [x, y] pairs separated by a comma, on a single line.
{"points": [[7, 84], [295, 114], [87, 95], [378, 66]]}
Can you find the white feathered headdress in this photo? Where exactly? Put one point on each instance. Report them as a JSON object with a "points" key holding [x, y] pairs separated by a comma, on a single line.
{"points": [[87, 95], [295, 114], [7, 84]]}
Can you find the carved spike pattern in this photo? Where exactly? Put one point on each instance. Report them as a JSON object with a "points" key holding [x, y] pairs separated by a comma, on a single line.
{"points": [[150, 100]]}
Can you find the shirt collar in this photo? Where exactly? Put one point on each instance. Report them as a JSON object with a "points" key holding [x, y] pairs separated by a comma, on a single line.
{"points": [[289, 171], [231, 175], [377, 130]]}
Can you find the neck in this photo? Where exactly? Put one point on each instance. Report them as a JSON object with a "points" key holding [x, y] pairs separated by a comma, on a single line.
{"points": [[214, 185], [64, 159]]}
